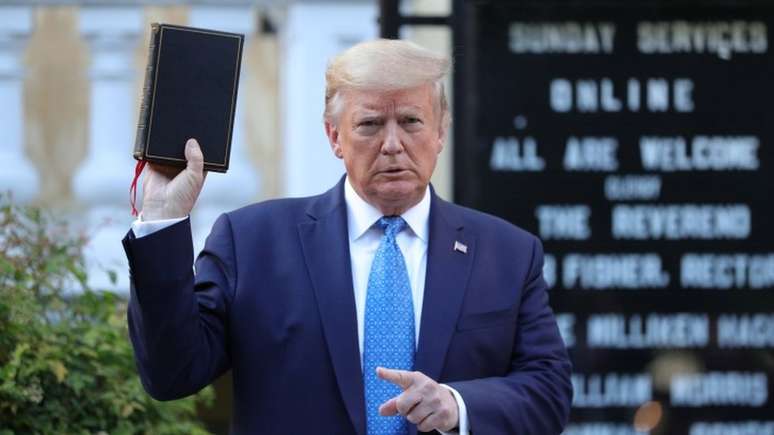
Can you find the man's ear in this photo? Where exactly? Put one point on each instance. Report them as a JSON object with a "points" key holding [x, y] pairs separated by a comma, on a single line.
{"points": [[333, 138], [441, 137]]}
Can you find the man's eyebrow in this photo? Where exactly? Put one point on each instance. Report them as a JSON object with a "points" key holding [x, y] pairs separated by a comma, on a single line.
{"points": [[364, 112], [375, 110]]}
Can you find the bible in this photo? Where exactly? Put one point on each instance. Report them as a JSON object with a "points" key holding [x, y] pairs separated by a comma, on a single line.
{"points": [[190, 91]]}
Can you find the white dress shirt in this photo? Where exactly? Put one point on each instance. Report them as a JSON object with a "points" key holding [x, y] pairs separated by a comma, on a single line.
{"points": [[364, 239]]}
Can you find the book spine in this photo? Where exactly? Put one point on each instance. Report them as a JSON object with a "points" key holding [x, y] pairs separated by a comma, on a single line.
{"points": [[147, 94]]}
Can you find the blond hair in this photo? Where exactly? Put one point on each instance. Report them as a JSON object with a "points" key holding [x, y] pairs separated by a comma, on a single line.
{"points": [[385, 65]]}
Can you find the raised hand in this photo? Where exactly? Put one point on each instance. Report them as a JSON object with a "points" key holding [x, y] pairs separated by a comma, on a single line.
{"points": [[169, 192], [424, 402]]}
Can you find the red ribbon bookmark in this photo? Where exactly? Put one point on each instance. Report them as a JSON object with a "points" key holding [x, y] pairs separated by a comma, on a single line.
{"points": [[133, 188]]}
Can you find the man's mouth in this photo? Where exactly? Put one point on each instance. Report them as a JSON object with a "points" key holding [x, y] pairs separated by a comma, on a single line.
{"points": [[394, 171]]}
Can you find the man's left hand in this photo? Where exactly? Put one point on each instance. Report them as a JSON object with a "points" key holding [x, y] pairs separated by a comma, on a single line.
{"points": [[424, 402]]}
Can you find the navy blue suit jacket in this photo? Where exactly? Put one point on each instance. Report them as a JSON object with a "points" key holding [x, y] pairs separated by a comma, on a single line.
{"points": [[272, 300]]}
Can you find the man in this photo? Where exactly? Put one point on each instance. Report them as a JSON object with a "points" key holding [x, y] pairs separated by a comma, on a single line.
{"points": [[374, 308]]}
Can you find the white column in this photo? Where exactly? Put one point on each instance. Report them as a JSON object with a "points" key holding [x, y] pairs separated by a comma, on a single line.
{"points": [[240, 185], [16, 173], [102, 182], [112, 34], [312, 35]]}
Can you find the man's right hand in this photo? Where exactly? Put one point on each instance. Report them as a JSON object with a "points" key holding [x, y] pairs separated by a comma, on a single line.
{"points": [[168, 192]]}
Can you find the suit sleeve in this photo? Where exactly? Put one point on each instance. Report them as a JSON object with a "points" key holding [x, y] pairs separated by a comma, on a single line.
{"points": [[178, 320], [535, 396]]}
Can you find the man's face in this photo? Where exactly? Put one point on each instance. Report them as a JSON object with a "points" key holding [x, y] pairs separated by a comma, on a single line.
{"points": [[389, 142]]}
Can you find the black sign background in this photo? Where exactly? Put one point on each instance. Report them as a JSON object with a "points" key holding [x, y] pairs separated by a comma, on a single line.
{"points": [[733, 97]]}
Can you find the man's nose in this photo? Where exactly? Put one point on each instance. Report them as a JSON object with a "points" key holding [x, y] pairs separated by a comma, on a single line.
{"points": [[392, 142]]}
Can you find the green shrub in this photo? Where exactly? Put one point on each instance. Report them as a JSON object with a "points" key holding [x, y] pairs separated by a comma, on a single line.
{"points": [[66, 364]]}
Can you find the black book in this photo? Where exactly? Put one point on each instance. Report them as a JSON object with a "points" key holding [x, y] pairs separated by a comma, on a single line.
{"points": [[190, 92]]}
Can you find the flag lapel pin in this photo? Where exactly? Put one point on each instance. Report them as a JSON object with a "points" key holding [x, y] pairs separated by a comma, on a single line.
{"points": [[460, 247]]}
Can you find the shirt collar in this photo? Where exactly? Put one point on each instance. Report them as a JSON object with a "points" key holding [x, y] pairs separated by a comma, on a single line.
{"points": [[362, 215]]}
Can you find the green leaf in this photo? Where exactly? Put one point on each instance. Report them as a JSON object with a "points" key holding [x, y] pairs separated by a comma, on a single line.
{"points": [[6, 267], [66, 363], [58, 369]]}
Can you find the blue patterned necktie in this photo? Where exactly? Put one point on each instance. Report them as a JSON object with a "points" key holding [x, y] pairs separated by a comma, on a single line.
{"points": [[389, 328]]}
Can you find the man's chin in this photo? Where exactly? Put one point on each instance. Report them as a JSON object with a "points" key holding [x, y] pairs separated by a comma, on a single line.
{"points": [[398, 189], [399, 195]]}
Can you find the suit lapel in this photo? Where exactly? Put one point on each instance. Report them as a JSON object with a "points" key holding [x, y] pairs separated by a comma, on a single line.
{"points": [[447, 276], [445, 282], [326, 252]]}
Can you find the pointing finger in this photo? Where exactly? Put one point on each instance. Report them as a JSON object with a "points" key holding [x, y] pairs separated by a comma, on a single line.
{"points": [[401, 378]]}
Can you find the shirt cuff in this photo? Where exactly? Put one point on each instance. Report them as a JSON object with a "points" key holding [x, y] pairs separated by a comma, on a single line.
{"points": [[462, 412], [142, 228]]}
